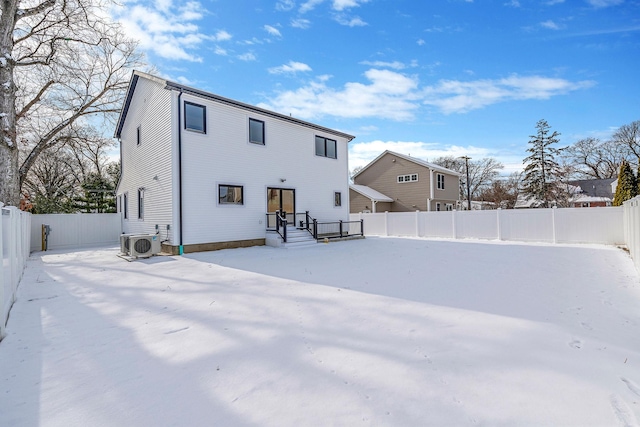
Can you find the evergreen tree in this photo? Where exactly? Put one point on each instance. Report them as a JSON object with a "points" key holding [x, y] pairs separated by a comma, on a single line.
{"points": [[627, 185], [542, 172]]}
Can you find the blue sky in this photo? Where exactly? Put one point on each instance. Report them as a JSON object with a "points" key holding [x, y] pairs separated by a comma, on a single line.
{"points": [[425, 78]]}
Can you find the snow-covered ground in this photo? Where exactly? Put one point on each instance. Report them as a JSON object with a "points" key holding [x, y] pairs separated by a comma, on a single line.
{"points": [[382, 331]]}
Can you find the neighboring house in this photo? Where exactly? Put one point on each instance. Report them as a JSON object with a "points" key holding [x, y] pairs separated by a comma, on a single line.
{"points": [[587, 193], [204, 171], [398, 183], [593, 193]]}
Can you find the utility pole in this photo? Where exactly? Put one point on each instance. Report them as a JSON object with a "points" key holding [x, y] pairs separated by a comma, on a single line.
{"points": [[466, 162]]}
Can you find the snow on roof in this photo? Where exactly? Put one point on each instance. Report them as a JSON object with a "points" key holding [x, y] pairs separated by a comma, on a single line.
{"points": [[370, 193], [411, 159]]}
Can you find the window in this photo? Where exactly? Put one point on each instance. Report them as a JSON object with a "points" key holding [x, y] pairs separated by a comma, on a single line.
{"points": [[230, 195], [138, 136], [337, 199], [326, 147], [408, 178], [438, 207], [140, 203], [256, 131], [440, 178], [195, 117], [125, 205], [449, 206]]}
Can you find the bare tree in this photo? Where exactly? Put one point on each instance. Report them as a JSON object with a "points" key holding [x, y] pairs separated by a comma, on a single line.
{"points": [[628, 136], [61, 61], [503, 193], [482, 172], [592, 158]]}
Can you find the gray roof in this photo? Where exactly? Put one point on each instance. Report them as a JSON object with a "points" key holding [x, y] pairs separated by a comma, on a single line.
{"points": [[370, 193], [595, 187], [212, 97]]}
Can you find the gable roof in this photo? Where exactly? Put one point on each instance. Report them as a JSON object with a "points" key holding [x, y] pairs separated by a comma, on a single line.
{"points": [[595, 187], [370, 193], [169, 85], [411, 159]]}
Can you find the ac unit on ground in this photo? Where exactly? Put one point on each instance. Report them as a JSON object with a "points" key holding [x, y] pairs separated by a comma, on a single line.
{"points": [[124, 242], [144, 246]]}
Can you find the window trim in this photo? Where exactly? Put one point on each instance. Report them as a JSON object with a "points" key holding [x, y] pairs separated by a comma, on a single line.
{"points": [[440, 182], [204, 117], [409, 177], [264, 132], [141, 203], [241, 187], [337, 199], [335, 145]]}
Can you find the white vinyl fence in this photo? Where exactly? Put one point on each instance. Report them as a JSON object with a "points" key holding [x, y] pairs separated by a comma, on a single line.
{"points": [[69, 231], [14, 246], [577, 225], [632, 228]]}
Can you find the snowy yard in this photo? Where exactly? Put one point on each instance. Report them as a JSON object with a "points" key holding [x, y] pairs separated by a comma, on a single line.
{"points": [[382, 331]]}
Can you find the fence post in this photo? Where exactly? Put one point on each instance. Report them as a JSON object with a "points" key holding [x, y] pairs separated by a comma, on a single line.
{"points": [[386, 223], [553, 223], [499, 225], [453, 223], [2, 319]]}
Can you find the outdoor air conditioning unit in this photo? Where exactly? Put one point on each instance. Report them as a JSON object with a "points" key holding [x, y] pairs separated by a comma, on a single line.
{"points": [[144, 246], [124, 243]]}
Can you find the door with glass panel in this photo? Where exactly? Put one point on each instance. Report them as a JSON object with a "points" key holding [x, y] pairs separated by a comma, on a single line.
{"points": [[282, 200]]}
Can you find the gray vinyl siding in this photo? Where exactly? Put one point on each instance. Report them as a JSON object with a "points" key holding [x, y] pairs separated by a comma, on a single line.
{"points": [[358, 202], [151, 111], [383, 177]]}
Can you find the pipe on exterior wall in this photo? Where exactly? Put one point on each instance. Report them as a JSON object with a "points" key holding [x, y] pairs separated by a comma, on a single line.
{"points": [[180, 247]]}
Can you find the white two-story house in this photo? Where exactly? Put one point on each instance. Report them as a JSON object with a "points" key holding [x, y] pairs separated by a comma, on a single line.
{"points": [[207, 172]]}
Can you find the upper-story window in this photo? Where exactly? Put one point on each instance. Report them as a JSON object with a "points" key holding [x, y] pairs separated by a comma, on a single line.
{"points": [[138, 135], [326, 147], [256, 131], [140, 203], [440, 178], [337, 199], [195, 117], [413, 177]]}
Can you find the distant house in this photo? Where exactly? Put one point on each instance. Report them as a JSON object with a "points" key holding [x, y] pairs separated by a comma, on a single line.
{"points": [[593, 193], [586, 193], [207, 172], [399, 183]]}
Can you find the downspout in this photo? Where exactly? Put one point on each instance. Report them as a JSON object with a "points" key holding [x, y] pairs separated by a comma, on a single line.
{"points": [[430, 190], [180, 247]]}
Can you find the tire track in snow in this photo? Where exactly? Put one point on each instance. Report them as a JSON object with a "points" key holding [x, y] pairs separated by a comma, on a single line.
{"points": [[632, 386], [622, 411]]}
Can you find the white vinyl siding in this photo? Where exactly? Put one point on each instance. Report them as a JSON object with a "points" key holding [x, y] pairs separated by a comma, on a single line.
{"points": [[224, 156], [148, 165]]}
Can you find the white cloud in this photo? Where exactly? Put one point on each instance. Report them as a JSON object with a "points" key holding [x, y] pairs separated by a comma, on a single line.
{"points": [[285, 5], [300, 23], [220, 51], [387, 95], [338, 5], [362, 153], [451, 96], [550, 25], [291, 68], [356, 21], [513, 3], [396, 65], [272, 30], [604, 3], [421, 42], [167, 29], [249, 56]]}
